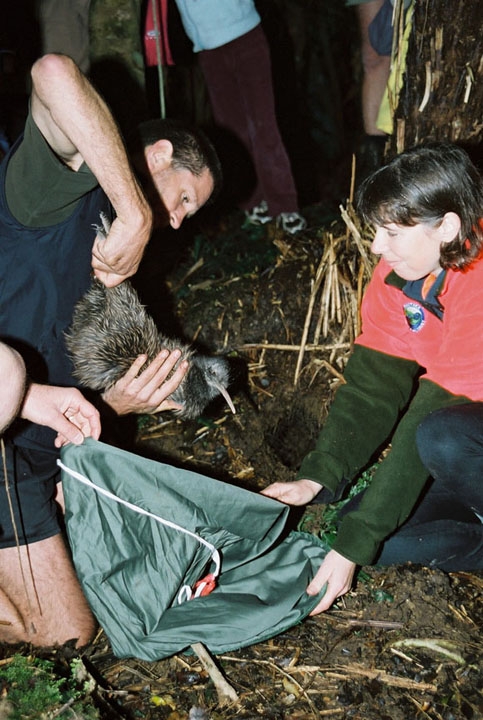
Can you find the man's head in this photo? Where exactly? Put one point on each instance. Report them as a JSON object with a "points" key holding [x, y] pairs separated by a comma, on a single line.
{"points": [[179, 168]]}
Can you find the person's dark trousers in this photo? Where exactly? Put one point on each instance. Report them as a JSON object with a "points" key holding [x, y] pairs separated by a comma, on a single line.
{"points": [[238, 77], [446, 529], [450, 444]]}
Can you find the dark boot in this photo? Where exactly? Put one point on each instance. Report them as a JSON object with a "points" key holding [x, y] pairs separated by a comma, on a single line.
{"points": [[370, 156]]}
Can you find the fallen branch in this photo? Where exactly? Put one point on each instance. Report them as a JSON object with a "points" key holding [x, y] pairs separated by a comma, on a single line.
{"points": [[332, 370], [308, 316], [442, 647], [226, 693], [356, 622], [379, 675], [295, 348], [285, 673], [357, 237]]}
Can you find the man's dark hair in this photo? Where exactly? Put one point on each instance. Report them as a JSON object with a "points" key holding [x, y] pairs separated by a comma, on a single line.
{"points": [[192, 150], [421, 185]]}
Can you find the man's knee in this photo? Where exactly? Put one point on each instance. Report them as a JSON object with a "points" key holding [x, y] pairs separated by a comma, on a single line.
{"points": [[40, 637], [33, 629], [375, 64], [41, 598], [84, 629]]}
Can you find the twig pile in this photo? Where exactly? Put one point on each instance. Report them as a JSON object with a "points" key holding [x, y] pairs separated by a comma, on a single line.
{"points": [[336, 291], [341, 276]]}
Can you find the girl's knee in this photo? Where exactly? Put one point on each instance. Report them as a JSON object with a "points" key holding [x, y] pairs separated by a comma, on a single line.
{"points": [[443, 441], [434, 441]]}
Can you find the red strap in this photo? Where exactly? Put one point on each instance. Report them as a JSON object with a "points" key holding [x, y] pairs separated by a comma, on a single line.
{"points": [[150, 34]]}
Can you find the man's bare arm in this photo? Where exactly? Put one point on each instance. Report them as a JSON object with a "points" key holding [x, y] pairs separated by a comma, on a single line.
{"points": [[79, 127]]}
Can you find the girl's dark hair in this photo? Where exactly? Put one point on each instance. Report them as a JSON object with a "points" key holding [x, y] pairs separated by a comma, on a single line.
{"points": [[191, 148], [421, 185]]}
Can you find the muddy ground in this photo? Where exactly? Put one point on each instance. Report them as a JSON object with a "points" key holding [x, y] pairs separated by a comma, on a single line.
{"points": [[406, 641]]}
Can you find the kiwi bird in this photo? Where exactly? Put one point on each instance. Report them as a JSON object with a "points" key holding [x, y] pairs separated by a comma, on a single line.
{"points": [[110, 328]]}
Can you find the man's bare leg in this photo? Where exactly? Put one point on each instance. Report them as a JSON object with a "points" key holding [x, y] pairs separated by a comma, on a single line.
{"points": [[41, 601], [376, 69]]}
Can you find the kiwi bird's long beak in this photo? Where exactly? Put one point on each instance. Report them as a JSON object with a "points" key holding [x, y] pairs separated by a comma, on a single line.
{"points": [[223, 391]]}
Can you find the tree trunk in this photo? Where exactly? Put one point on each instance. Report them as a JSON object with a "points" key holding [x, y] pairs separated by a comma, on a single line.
{"points": [[442, 94]]}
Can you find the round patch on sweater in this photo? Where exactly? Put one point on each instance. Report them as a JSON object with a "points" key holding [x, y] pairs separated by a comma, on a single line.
{"points": [[414, 315]]}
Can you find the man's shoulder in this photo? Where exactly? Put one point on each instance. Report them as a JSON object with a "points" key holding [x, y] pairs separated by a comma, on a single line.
{"points": [[40, 189]]}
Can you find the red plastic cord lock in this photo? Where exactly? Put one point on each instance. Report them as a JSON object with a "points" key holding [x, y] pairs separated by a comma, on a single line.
{"points": [[204, 586]]}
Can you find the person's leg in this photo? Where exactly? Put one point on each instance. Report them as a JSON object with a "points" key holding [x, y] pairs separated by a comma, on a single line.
{"points": [[41, 600], [229, 115], [441, 532], [450, 444], [444, 543], [375, 75], [375, 68], [446, 528], [239, 81]]}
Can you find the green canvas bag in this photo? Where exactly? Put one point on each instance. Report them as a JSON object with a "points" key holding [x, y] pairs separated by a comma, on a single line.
{"points": [[144, 533]]}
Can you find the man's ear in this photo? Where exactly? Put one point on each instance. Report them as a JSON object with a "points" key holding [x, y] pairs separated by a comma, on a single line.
{"points": [[449, 227], [159, 155]]}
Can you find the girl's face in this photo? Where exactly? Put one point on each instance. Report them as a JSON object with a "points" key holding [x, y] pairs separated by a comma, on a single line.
{"points": [[412, 251]]}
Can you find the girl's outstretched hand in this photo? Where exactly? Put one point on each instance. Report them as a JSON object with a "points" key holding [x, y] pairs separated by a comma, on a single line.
{"points": [[298, 492]]}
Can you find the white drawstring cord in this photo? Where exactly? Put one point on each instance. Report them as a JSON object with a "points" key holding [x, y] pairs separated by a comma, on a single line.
{"points": [[185, 591]]}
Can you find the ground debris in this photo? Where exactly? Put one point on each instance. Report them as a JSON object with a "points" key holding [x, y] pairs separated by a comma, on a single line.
{"points": [[356, 661]]}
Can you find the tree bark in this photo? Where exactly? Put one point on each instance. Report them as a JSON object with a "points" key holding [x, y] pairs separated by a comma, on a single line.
{"points": [[442, 94]]}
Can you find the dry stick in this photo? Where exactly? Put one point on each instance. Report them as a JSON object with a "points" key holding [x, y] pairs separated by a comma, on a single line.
{"points": [[345, 331], [295, 348], [226, 693], [331, 254], [385, 624], [462, 616], [325, 301], [308, 317], [329, 315], [400, 135], [336, 288], [286, 674], [197, 265], [405, 657], [332, 370], [365, 267], [318, 328], [421, 710], [352, 191], [444, 647], [360, 291], [357, 238], [353, 181], [427, 89], [379, 675], [64, 707]]}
